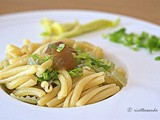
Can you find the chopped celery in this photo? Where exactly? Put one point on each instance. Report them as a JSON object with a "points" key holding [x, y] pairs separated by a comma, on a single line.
{"points": [[57, 30]]}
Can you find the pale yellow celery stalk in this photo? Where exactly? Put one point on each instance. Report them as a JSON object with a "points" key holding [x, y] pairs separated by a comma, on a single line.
{"points": [[89, 27]]}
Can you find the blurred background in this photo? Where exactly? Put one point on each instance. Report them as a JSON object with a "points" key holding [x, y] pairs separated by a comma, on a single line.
{"points": [[148, 10]]}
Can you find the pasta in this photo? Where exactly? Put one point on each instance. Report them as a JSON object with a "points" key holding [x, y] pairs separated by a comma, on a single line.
{"points": [[55, 101], [79, 87], [29, 71], [68, 79], [87, 47], [21, 82], [13, 51], [46, 98], [91, 94], [64, 87], [46, 86], [103, 94], [60, 74], [43, 67], [29, 91]]}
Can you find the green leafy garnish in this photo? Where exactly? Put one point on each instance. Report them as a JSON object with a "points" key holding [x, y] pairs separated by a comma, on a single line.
{"points": [[82, 55], [157, 58], [35, 60], [35, 56], [99, 64], [135, 41], [60, 47], [117, 36], [79, 50], [76, 72], [47, 57], [48, 75], [153, 43], [53, 46], [86, 60]]}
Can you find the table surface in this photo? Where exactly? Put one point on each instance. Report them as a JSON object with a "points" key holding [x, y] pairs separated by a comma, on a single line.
{"points": [[148, 10]]}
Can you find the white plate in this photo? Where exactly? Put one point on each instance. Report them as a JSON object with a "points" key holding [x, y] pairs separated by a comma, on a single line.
{"points": [[142, 90]]}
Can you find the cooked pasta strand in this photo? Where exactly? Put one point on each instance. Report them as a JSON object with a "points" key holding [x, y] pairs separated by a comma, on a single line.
{"points": [[95, 82], [54, 102], [29, 83], [121, 71], [68, 42], [87, 47], [31, 70], [89, 95], [29, 48], [19, 81], [87, 91], [67, 100], [4, 64], [43, 67], [26, 41], [32, 47], [13, 50], [12, 71], [104, 94], [64, 87], [59, 106], [40, 49], [46, 98], [79, 87], [1, 66], [28, 99], [20, 62], [19, 59], [46, 86], [29, 91], [68, 78]]}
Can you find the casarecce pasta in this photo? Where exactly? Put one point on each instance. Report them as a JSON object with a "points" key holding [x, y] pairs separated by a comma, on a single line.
{"points": [[62, 73]]}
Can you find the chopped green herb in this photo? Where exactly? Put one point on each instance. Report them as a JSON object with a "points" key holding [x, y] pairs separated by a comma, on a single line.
{"points": [[47, 57], [52, 46], [88, 62], [76, 72], [54, 74], [152, 43], [134, 41], [35, 60], [79, 50], [35, 57], [117, 36], [85, 59], [60, 47], [157, 58], [47, 75], [99, 64], [82, 55]]}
